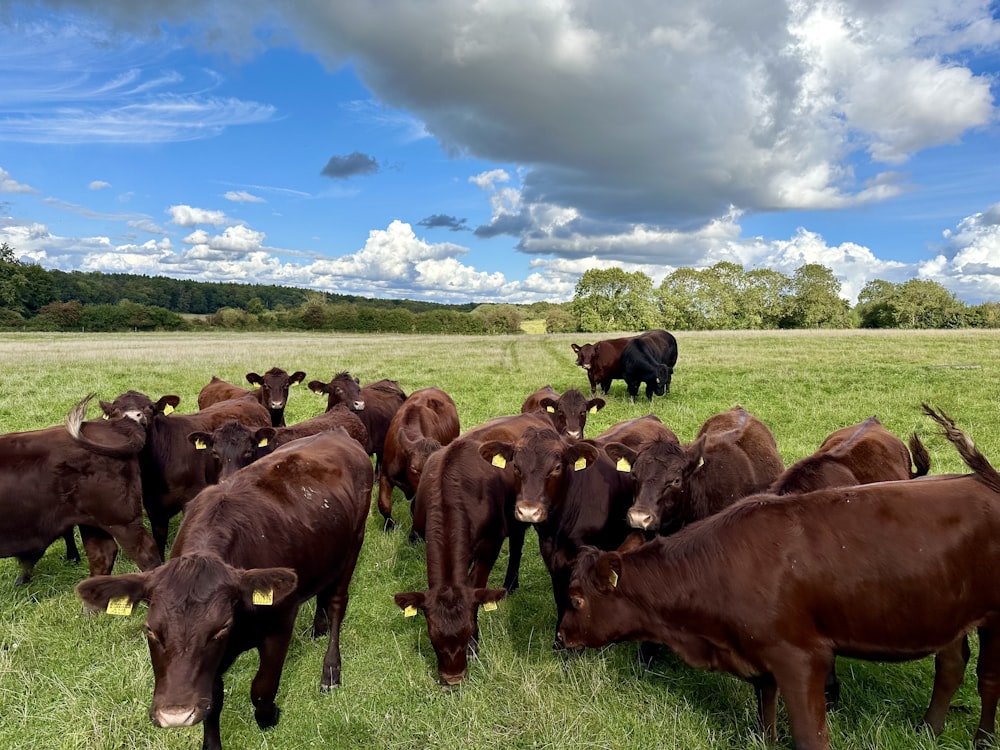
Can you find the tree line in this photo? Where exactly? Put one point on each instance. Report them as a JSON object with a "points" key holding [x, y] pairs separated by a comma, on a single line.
{"points": [[723, 297]]}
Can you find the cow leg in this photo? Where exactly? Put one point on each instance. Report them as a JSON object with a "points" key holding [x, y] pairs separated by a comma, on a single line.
{"points": [[72, 553], [988, 672], [101, 550], [385, 501], [212, 738], [27, 561], [766, 690], [832, 687], [650, 388], [949, 671], [335, 610], [515, 546], [800, 676], [139, 545], [264, 688]]}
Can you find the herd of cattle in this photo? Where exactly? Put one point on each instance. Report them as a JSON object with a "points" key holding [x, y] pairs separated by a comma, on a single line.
{"points": [[712, 547]]}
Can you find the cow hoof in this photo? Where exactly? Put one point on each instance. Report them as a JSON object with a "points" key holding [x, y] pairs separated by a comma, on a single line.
{"points": [[267, 717], [389, 525], [327, 687]]}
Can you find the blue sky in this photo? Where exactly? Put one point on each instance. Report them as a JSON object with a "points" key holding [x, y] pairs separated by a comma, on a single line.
{"points": [[458, 152]]}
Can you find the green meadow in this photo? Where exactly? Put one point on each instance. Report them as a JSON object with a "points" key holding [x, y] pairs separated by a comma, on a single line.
{"points": [[70, 680]]}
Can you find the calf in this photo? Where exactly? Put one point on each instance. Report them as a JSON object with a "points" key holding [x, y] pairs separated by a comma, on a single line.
{"points": [[85, 473], [272, 391], [859, 454], [568, 412], [649, 358], [602, 362], [427, 421], [376, 404], [464, 508], [234, 445], [249, 552], [733, 456], [173, 472], [773, 588]]}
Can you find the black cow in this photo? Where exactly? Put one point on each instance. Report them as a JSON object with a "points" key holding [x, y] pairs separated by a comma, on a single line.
{"points": [[649, 358]]}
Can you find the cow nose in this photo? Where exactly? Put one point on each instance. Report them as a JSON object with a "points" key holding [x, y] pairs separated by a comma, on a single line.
{"points": [[358, 405], [454, 679], [277, 404], [575, 434], [175, 717], [529, 513], [640, 519]]}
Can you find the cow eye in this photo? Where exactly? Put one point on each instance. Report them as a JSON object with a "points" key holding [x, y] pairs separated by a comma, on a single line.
{"points": [[557, 469], [577, 602], [676, 482]]}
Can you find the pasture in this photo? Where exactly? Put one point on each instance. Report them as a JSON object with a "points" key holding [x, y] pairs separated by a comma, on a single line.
{"points": [[68, 680]]}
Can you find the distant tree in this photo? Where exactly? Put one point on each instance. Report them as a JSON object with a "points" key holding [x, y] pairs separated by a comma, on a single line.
{"points": [[613, 300], [764, 298], [64, 316], [497, 319], [560, 320], [922, 303], [814, 299], [985, 315], [875, 307]]}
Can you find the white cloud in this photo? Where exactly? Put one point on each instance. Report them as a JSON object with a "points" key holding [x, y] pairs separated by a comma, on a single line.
{"points": [[9, 185], [188, 216], [98, 185], [242, 196]]}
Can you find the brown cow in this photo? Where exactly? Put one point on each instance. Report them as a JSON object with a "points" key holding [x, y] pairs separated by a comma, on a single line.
{"points": [[376, 404], [464, 508], [733, 456], [773, 588], [82, 473], [427, 421], [602, 361], [568, 412], [173, 472], [234, 445], [858, 454], [249, 552], [272, 391]]}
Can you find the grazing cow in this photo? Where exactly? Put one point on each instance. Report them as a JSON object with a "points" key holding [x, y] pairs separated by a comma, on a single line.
{"points": [[464, 508], [249, 552], [82, 473], [773, 588], [733, 456], [568, 412], [649, 358], [272, 391], [376, 404], [173, 472], [858, 454], [234, 445], [427, 421], [602, 361]]}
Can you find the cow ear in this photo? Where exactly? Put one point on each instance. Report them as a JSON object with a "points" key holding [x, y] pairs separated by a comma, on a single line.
{"points": [[582, 455], [318, 387], [263, 436], [297, 378], [549, 404], [254, 379], [200, 440], [575, 348], [497, 453], [595, 405], [267, 586], [695, 454], [121, 591], [107, 408], [623, 456], [166, 404], [609, 570], [410, 602], [488, 598]]}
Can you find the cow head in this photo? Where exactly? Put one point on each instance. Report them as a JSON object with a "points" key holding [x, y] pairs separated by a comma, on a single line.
{"points": [[274, 385], [541, 462], [139, 406], [451, 613], [663, 375], [569, 412], [594, 617], [419, 453], [233, 446], [584, 355], [343, 389], [661, 471], [195, 603]]}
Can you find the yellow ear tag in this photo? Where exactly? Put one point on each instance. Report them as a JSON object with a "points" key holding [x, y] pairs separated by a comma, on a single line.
{"points": [[262, 443], [623, 465], [593, 410], [613, 579], [581, 463], [199, 444], [168, 409], [105, 417], [489, 606], [264, 598], [410, 611], [499, 461], [120, 606], [550, 409]]}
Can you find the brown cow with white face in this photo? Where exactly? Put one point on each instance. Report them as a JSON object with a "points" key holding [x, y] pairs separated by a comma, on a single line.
{"points": [[733, 456], [249, 552], [568, 411], [272, 391]]}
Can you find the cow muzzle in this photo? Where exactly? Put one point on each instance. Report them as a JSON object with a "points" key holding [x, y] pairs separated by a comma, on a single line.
{"points": [[530, 512], [276, 404], [357, 406], [176, 716], [641, 519]]}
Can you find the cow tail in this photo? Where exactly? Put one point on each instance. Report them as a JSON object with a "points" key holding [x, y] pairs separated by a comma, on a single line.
{"points": [[132, 437], [973, 458], [921, 458]]}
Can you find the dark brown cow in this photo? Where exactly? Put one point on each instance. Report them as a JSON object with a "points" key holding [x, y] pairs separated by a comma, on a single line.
{"points": [[464, 508], [234, 445], [173, 472], [858, 454], [249, 552], [773, 588], [272, 391], [376, 404], [733, 456], [427, 421], [568, 412], [602, 361], [82, 473]]}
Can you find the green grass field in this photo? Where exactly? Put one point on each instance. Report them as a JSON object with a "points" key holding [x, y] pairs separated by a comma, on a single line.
{"points": [[68, 680]]}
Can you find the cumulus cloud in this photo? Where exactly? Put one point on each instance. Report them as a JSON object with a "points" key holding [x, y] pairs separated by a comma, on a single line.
{"points": [[9, 185], [98, 185], [188, 216], [971, 266], [350, 165]]}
